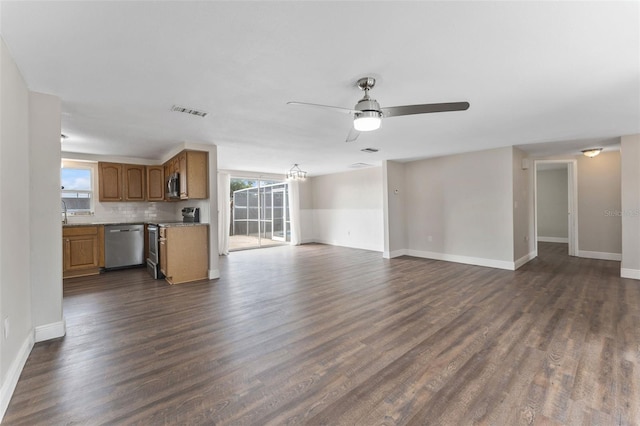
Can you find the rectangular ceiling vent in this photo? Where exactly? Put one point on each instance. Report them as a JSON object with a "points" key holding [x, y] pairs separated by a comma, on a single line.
{"points": [[191, 111], [369, 150], [360, 165]]}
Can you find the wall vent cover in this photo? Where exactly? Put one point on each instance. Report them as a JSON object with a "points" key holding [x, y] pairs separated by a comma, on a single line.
{"points": [[360, 165], [191, 111], [370, 150]]}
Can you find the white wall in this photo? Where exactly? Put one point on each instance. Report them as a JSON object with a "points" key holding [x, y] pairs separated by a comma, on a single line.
{"points": [[307, 230], [630, 206], [15, 270], [553, 205], [44, 210], [599, 192], [459, 208], [347, 209], [394, 198], [523, 217]]}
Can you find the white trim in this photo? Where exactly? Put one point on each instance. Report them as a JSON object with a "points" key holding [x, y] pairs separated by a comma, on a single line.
{"points": [[553, 240], [339, 244], [478, 261], [630, 273], [50, 331], [599, 255], [13, 374], [525, 259], [394, 253], [214, 274], [308, 241]]}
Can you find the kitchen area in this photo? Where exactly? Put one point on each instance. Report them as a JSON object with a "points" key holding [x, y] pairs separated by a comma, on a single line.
{"points": [[154, 216]]}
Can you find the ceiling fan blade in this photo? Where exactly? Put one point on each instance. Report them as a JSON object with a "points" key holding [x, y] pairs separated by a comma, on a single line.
{"points": [[353, 135], [424, 108], [334, 108]]}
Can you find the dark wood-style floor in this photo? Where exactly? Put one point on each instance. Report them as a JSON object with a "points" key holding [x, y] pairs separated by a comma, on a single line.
{"points": [[327, 335]]}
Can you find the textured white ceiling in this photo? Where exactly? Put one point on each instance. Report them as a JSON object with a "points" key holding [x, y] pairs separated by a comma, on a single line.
{"points": [[533, 72]]}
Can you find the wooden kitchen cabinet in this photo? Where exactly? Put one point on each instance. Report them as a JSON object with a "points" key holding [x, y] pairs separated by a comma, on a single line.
{"points": [[155, 183], [194, 165], [82, 250], [109, 181], [134, 182], [184, 253]]}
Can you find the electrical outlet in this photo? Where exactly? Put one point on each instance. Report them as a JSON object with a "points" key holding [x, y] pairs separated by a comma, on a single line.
{"points": [[6, 328]]}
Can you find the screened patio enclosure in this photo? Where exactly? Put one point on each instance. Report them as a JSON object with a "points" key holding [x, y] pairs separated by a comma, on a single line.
{"points": [[260, 216]]}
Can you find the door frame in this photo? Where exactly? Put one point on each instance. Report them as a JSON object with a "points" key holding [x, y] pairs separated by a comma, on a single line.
{"points": [[572, 202]]}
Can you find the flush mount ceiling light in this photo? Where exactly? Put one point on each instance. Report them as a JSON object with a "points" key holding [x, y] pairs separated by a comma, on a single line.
{"points": [[591, 152], [295, 173]]}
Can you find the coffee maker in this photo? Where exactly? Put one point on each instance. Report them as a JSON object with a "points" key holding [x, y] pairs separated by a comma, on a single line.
{"points": [[191, 215]]}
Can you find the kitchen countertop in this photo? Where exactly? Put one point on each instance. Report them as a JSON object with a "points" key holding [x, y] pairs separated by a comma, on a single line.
{"points": [[164, 224], [103, 223], [177, 224]]}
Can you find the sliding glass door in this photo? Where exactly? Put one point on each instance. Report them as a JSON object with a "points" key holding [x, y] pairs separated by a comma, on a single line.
{"points": [[259, 213]]}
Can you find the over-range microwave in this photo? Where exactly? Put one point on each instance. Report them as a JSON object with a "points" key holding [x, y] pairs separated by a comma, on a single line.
{"points": [[173, 186]]}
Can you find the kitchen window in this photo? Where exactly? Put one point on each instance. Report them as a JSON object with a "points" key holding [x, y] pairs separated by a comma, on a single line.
{"points": [[77, 193]]}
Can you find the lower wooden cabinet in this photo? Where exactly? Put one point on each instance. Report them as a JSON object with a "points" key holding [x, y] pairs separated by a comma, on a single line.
{"points": [[82, 250], [181, 265]]}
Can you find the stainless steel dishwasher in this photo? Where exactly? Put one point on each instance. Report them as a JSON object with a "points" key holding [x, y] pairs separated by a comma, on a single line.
{"points": [[123, 245]]}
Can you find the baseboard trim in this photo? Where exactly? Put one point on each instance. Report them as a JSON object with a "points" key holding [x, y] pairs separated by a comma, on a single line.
{"points": [[13, 374], [525, 259], [339, 244], [599, 255], [477, 261], [50, 331], [214, 274], [553, 240], [394, 253], [630, 273]]}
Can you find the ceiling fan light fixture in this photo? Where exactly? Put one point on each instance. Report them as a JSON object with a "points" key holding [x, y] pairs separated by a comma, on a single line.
{"points": [[367, 121], [592, 152]]}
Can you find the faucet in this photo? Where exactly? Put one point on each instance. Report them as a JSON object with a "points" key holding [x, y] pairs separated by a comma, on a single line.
{"points": [[64, 206]]}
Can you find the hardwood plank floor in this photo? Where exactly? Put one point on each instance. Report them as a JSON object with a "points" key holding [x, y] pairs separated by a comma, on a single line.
{"points": [[327, 335]]}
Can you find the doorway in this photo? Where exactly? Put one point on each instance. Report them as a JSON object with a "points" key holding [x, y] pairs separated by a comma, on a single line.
{"points": [[556, 203], [259, 214]]}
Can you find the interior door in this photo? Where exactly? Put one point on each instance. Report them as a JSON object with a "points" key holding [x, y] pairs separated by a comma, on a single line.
{"points": [[279, 228]]}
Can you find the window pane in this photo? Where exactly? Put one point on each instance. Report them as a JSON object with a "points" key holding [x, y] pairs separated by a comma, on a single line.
{"points": [[79, 179], [76, 200]]}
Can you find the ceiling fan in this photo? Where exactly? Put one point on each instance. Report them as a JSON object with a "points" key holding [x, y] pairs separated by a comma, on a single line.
{"points": [[367, 114]]}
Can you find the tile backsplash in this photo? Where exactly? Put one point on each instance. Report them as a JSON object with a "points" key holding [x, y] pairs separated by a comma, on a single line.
{"points": [[131, 212]]}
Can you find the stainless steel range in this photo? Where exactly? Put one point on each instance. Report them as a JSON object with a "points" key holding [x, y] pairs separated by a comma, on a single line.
{"points": [[153, 261]]}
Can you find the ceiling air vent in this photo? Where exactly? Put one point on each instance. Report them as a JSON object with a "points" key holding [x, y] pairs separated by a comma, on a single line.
{"points": [[360, 165], [369, 150], [191, 111]]}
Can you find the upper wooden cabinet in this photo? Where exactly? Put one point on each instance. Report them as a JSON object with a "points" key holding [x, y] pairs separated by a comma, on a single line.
{"points": [[194, 166], [110, 181], [155, 183], [134, 182]]}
